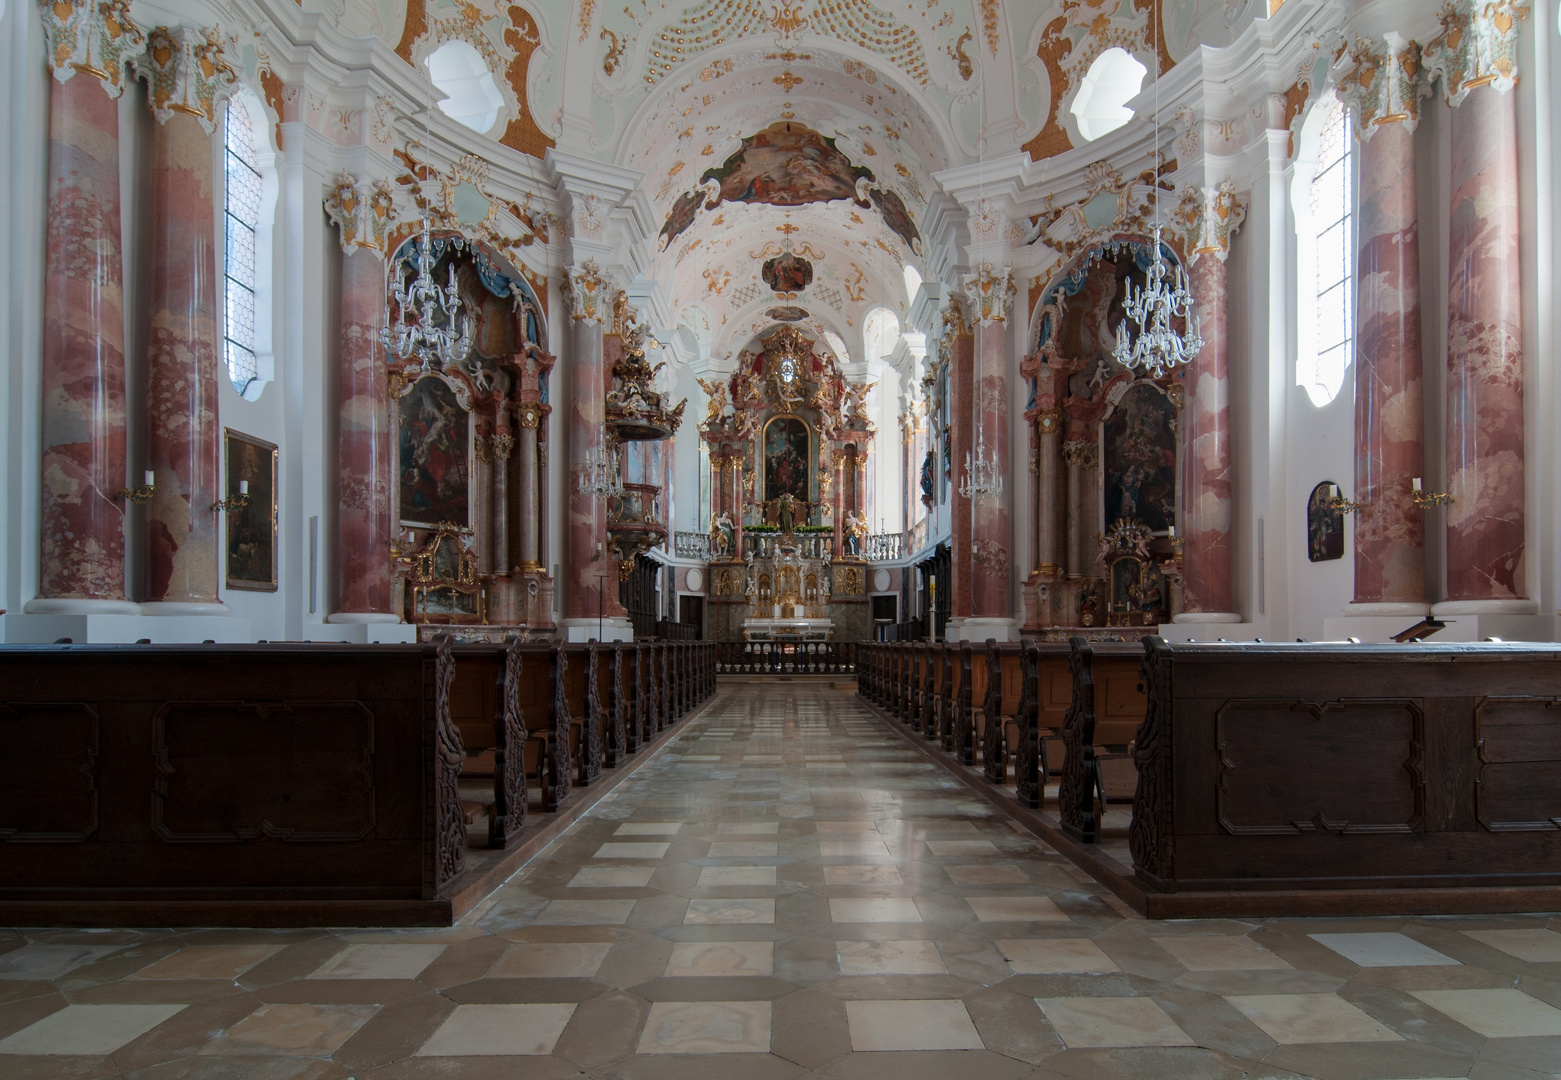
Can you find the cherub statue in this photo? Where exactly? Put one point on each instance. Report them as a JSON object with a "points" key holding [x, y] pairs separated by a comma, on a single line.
{"points": [[853, 402], [716, 389]]}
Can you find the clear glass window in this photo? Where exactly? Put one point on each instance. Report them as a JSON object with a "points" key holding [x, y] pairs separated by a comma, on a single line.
{"points": [[241, 220]]}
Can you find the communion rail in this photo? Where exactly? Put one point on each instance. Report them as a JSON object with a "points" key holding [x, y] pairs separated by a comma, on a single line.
{"points": [[786, 658]]}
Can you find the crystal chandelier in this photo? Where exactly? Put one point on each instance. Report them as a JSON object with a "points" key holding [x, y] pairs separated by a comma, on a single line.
{"points": [[1158, 347], [433, 327], [600, 475], [982, 478]]}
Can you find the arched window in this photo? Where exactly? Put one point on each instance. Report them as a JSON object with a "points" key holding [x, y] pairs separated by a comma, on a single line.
{"points": [[473, 98], [880, 334], [1325, 249], [243, 192]]}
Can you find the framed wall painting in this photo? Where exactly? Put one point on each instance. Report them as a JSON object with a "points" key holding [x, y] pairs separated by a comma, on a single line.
{"points": [[433, 455], [1324, 526], [250, 540]]}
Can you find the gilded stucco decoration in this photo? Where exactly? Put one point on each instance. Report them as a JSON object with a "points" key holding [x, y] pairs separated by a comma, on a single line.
{"points": [[1477, 46], [1382, 85], [363, 216], [92, 38], [1211, 217], [186, 71], [459, 196]]}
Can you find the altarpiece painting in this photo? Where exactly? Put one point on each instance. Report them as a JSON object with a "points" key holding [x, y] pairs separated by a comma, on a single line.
{"points": [[434, 455]]}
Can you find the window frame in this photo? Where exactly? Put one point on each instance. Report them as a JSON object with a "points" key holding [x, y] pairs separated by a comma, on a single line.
{"points": [[1322, 368], [262, 164]]}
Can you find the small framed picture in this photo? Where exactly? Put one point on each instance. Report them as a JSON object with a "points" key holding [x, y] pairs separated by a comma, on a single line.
{"points": [[251, 532]]}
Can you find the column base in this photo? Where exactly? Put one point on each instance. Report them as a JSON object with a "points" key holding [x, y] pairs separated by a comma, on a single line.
{"points": [[1484, 607], [182, 608], [1196, 617], [362, 618], [609, 628], [1370, 608], [126, 629], [68, 606], [363, 633], [978, 628]]}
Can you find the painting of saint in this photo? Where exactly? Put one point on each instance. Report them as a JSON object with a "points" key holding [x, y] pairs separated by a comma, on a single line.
{"points": [[892, 207], [682, 216], [787, 274], [1140, 453], [787, 164], [786, 459], [1324, 526], [434, 447], [251, 537]]}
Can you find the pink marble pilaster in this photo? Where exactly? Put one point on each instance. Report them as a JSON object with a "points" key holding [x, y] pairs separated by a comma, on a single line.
{"points": [[1206, 521], [182, 368], [1389, 416], [962, 414], [590, 360], [363, 512], [991, 528], [1485, 521], [82, 553]]}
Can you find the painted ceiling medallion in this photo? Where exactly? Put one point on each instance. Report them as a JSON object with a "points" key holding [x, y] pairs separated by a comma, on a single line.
{"points": [[787, 275], [790, 313]]}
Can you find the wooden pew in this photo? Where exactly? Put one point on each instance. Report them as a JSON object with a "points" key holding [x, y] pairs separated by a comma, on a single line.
{"points": [[583, 683], [1306, 767], [210, 779]]}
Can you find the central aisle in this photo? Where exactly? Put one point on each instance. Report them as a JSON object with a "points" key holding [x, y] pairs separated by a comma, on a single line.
{"points": [[789, 890]]}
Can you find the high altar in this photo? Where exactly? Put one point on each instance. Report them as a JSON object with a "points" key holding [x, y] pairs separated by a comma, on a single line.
{"points": [[789, 439]]}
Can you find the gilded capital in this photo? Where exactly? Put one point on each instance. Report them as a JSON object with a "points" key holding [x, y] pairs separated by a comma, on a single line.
{"points": [[1383, 84], [1477, 46], [186, 71], [585, 293], [363, 218], [93, 38]]}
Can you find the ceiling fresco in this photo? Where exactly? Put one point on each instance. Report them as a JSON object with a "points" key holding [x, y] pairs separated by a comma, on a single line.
{"points": [[761, 126]]}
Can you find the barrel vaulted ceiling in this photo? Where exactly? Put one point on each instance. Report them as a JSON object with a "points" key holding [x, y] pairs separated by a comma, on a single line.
{"points": [[879, 98]]}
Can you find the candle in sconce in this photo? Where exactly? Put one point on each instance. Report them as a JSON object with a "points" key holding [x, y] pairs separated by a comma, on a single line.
{"points": [[1415, 484], [1170, 532], [151, 478], [1333, 491], [243, 487]]}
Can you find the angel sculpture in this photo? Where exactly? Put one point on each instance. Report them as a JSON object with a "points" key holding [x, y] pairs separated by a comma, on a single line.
{"points": [[716, 389]]}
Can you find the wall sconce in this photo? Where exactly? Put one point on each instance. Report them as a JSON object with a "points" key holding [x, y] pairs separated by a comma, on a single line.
{"points": [[1427, 499], [238, 502], [142, 493], [1339, 504]]}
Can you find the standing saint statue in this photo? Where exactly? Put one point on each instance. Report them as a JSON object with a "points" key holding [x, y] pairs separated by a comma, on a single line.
{"points": [[721, 531], [856, 532], [786, 513]]}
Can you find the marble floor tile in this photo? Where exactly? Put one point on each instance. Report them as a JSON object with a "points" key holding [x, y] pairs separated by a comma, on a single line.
{"points": [[585, 913], [862, 875], [648, 828], [720, 849], [225, 962], [378, 962], [747, 828], [706, 1027], [1015, 909], [836, 847], [710, 912], [845, 826], [1382, 950], [292, 1030], [1224, 953], [962, 847], [1535, 946], [889, 958], [632, 850], [552, 960], [1086, 1022], [86, 1029], [499, 1030], [874, 910], [42, 961], [998, 874], [1049, 956], [612, 877], [1311, 1018], [690, 958], [911, 1025], [1501, 1013], [715, 876]]}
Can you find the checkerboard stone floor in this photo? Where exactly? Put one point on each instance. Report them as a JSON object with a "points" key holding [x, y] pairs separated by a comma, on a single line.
{"points": [[788, 890]]}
